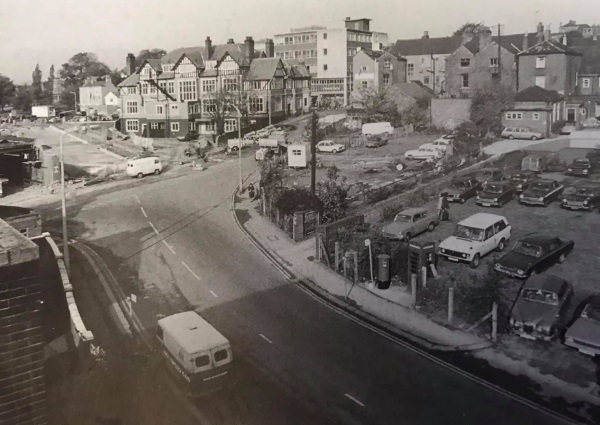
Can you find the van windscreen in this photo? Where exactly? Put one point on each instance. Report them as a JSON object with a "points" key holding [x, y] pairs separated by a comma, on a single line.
{"points": [[202, 361], [220, 355]]}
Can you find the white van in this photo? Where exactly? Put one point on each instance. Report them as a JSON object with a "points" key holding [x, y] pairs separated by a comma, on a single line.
{"points": [[297, 155], [198, 355], [139, 167], [475, 237], [375, 128]]}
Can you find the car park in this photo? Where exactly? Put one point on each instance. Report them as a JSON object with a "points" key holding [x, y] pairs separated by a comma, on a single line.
{"points": [[330, 146], [410, 223], [540, 310], [424, 152], [462, 188], [541, 192], [521, 179], [475, 237], [521, 133], [580, 167], [582, 198], [495, 194], [584, 333], [533, 255]]}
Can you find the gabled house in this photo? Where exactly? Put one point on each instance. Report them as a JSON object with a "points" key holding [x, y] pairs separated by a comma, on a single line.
{"points": [[92, 96], [535, 108], [585, 102], [376, 70]]}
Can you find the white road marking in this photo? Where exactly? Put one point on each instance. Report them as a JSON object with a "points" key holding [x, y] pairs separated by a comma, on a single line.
{"points": [[153, 228], [144, 212], [354, 400], [58, 209], [137, 199], [190, 270], [213, 294], [266, 339], [169, 246]]}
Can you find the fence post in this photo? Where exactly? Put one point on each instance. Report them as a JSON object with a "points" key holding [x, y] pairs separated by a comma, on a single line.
{"points": [[318, 246], [337, 256], [424, 276], [355, 259], [494, 322], [346, 265], [450, 305], [413, 288]]}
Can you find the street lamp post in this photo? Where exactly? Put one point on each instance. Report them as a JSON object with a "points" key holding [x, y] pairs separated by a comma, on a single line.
{"points": [[63, 200], [74, 100], [239, 126]]}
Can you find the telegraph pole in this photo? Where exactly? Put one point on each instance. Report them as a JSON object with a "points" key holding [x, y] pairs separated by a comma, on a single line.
{"points": [[499, 55], [313, 148]]}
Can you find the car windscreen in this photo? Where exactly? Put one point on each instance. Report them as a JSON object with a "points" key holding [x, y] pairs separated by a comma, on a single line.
{"points": [[591, 311], [585, 191], [537, 295], [469, 233], [518, 176], [494, 188], [581, 161], [403, 218], [528, 249], [459, 184], [541, 186]]}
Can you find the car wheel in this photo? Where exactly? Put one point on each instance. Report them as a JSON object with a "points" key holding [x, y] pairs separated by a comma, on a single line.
{"points": [[140, 175], [462, 200], [334, 151], [431, 227], [407, 237], [475, 261], [561, 259], [318, 150], [501, 245], [545, 203], [410, 157], [511, 137], [533, 138], [156, 172]]}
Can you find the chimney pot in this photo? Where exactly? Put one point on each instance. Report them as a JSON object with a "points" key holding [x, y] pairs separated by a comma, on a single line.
{"points": [[425, 34], [525, 41], [547, 35], [348, 18], [230, 41]]}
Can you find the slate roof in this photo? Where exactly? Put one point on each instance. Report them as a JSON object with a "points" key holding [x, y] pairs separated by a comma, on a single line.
{"points": [[413, 90], [296, 67], [537, 94], [426, 46], [373, 54], [262, 69], [199, 54], [549, 48], [132, 80], [510, 42]]}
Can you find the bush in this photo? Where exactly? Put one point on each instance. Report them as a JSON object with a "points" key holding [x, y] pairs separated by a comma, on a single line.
{"points": [[557, 126]]}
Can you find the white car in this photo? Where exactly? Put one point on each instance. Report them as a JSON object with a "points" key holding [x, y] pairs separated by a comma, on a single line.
{"points": [[441, 144], [426, 151], [330, 146]]}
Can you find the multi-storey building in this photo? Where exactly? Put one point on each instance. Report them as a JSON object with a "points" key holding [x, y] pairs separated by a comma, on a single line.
{"points": [[182, 91], [327, 54], [375, 70]]}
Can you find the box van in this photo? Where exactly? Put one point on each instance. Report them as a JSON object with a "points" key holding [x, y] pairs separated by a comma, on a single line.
{"points": [[197, 354], [521, 133], [297, 155], [139, 167], [375, 128], [535, 162]]}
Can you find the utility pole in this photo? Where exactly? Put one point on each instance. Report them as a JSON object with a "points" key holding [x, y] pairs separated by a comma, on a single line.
{"points": [[499, 55], [313, 148]]}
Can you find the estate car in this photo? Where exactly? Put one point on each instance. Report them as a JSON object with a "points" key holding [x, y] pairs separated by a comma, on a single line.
{"points": [[409, 223]]}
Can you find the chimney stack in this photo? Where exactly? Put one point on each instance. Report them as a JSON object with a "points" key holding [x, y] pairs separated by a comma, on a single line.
{"points": [[547, 35], [249, 49], [564, 39], [485, 37], [425, 35], [525, 41], [208, 47], [540, 33], [269, 48], [230, 41], [130, 64]]}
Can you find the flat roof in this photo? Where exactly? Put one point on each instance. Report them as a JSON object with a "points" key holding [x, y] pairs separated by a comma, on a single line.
{"points": [[192, 332], [481, 219], [15, 248]]}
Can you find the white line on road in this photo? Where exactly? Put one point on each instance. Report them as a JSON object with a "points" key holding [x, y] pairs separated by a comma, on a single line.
{"points": [[213, 294], [266, 339], [190, 270], [153, 228], [137, 199], [354, 400], [169, 246], [144, 212]]}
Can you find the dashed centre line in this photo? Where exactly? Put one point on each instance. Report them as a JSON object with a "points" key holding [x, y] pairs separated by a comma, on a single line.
{"points": [[153, 228], [355, 400], [137, 199], [144, 212], [190, 270], [169, 246], [213, 294], [266, 339]]}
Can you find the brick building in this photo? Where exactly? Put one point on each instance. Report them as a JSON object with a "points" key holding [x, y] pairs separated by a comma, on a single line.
{"points": [[377, 69], [535, 108]]}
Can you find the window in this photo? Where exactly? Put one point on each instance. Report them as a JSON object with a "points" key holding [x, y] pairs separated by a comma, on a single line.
{"points": [[131, 90], [296, 152], [208, 86], [187, 90], [220, 355], [387, 64], [132, 125], [499, 226], [144, 88], [308, 68], [202, 361], [464, 81], [536, 116], [386, 79], [426, 79], [230, 125], [585, 83], [132, 107], [325, 67], [174, 126], [230, 84], [364, 84], [514, 115], [540, 62], [171, 87], [256, 104], [493, 61], [489, 232], [324, 52], [540, 81], [324, 36], [192, 126], [160, 109], [289, 40], [306, 102], [194, 108], [465, 63], [209, 105], [209, 127], [410, 69], [154, 125]]}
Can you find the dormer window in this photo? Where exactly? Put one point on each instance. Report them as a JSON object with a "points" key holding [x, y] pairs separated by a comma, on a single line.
{"points": [[540, 62]]}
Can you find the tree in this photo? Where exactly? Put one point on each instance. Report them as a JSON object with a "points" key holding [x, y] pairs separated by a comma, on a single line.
{"points": [[220, 108], [469, 28], [7, 90], [23, 98], [80, 67], [149, 54], [116, 76], [333, 194], [417, 114], [487, 105], [48, 87], [36, 85]]}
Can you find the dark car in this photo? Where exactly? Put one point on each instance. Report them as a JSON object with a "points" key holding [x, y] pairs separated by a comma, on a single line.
{"points": [[581, 167], [594, 157], [375, 141], [192, 135], [521, 179], [541, 308], [462, 188], [541, 192], [533, 255], [487, 175], [584, 333], [583, 198], [495, 194]]}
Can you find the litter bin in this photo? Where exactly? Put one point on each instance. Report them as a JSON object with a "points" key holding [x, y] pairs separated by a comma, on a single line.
{"points": [[383, 271]]}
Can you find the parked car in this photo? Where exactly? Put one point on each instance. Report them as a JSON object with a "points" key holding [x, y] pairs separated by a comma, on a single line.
{"points": [[535, 162], [462, 188], [250, 136], [375, 141], [594, 157], [521, 133], [410, 223], [580, 167], [190, 136], [486, 175], [441, 145], [446, 138], [533, 255], [584, 333], [424, 152], [521, 179], [583, 198], [495, 194], [541, 192], [263, 154], [330, 146], [541, 307], [476, 236]]}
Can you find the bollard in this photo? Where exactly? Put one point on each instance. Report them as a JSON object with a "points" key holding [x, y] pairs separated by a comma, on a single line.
{"points": [[450, 305], [494, 322], [413, 288]]}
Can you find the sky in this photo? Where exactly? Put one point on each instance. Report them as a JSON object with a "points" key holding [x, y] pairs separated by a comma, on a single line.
{"points": [[47, 32]]}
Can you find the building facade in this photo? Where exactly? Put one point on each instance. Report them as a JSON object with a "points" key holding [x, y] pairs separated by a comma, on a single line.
{"points": [[93, 96], [327, 54], [535, 108], [186, 90], [375, 70]]}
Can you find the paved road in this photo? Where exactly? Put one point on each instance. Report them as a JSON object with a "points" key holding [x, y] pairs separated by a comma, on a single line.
{"points": [[174, 243]]}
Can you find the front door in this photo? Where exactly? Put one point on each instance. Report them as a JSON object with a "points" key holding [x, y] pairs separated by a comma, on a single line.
{"points": [[144, 130], [571, 115]]}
